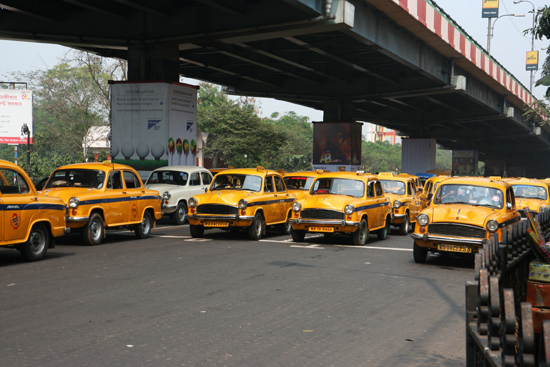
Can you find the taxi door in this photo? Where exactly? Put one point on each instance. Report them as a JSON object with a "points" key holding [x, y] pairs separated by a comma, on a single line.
{"points": [[269, 200], [117, 205], [416, 203], [381, 199], [133, 190], [374, 216], [284, 199], [15, 214]]}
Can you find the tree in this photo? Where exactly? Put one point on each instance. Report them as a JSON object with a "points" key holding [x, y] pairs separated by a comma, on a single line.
{"points": [[380, 157]]}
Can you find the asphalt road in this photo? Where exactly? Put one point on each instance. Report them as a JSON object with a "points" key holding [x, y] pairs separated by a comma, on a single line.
{"points": [[224, 300]]}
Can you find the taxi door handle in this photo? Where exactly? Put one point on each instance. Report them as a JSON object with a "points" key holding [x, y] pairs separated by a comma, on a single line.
{"points": [[34, 198], [124, 192]]}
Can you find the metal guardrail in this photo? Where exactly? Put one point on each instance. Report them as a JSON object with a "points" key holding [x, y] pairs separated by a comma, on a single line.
{"points": [[499, 323]]}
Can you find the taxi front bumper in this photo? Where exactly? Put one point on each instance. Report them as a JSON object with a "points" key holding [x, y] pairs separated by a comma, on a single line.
{"points": [[327, 222], [446, 239], [221, 218]]}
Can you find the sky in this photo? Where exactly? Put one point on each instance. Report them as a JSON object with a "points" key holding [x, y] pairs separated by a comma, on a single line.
{"points": [[508, 46]]}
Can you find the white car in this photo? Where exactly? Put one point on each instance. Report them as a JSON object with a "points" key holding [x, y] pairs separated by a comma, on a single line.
{"points": [[176, 184]]}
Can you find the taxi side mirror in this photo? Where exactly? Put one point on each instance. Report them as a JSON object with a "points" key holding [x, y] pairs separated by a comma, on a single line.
{"points": [[508, 206], [206, 189], [420, 189]]}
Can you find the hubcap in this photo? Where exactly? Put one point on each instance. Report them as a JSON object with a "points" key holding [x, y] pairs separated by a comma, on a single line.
{"points": [[96, 230], [37, 242], [145, 225], [181, 214], [363, 232]]}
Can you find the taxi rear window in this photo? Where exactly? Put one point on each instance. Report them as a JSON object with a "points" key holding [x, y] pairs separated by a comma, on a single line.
{"points": [[298, 182]]}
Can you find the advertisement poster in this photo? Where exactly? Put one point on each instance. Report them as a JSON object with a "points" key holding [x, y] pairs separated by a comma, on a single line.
{"points": [[464, 163], [337, 146], [15, 110], [153, 124], [532, 60], [489, 9]]}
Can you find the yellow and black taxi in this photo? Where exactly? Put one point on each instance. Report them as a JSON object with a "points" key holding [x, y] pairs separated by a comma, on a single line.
{"points": [[531, 193], [104, 195], [463, 213], [30, 221], [417, 181], [430, 186], [405, 199], [351, 203], [245, 198], [299, 183]]}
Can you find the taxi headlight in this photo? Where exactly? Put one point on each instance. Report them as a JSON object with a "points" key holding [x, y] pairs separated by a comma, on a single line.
{"points": [[166, 195], [74, 202], [242, 204], [423, 219], [492, 225], [296, 206], [192, 203], [396, 204], [349, 209]]}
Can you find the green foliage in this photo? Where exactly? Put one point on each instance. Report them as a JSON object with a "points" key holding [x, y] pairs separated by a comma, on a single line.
{"points": [[443, 159], [380, 157]]}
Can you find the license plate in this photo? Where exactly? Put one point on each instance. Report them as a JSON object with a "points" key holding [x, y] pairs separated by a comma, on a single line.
{"points": [[455, 248], [216, 224], [321, 229]]}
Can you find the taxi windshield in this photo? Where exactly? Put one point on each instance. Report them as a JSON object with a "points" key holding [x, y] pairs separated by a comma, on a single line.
{"points": [[86, 178], [338, 186], [469, 194], [529, 192], [236, 182], [298, 182], [168, 177], [393, 187]]}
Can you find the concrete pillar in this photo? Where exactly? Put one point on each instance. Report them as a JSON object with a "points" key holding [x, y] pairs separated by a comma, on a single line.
{"points": [[417, 155], [153, 63]]}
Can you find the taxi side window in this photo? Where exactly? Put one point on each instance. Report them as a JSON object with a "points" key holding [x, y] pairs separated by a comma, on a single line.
{"points": [[13, 183], [195, 179], [412, 191], [510, 198], [370, 189], [279, 184], [206, 178], [114, 182], [268, 185], [131, 180], [378, 189]]}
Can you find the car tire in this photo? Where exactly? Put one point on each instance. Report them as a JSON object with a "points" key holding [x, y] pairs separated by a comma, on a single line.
{"points": [[179, 217], [383, 233], [94, 231], [256, 228], [298, 235], [286, 227], [37, 244], [196, 231], [361, 236], [143, 230], [419, 254], [404, 227]]}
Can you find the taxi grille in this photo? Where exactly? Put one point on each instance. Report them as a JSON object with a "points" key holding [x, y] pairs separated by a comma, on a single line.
{"points": [[321, 214], [458, 230], [216, 209]]}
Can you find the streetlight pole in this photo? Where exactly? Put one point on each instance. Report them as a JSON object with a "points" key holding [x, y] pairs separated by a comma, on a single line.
{"points": [[532, 39], [490, 29], [25, 131]]}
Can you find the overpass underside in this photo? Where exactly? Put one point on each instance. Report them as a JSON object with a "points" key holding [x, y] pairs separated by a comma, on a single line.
{"points": [[356, 60]]}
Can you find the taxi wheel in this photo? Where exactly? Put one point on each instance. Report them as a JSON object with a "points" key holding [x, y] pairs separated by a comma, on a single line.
{"points": [[256, 228], [405, 226], [93, 231], [361, 236], [37, 244], [420, 254], [180, 215], [144, 228], [383, 233], [286, 227], [196, 231], [297, 235]]}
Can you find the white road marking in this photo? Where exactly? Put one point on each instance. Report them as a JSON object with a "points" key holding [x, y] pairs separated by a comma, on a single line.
{"points": [[314, 247]]}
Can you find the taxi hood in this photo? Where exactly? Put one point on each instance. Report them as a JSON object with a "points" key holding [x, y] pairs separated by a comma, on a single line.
{"points": [[163, 187], [533, 204], [225, 197], [328, 201], [461, 213], [67, 193]]}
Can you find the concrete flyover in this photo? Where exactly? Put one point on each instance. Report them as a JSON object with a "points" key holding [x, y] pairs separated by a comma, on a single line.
{"points": [[403, 64]]}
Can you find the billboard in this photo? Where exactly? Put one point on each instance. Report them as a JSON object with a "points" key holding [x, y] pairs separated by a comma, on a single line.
{"points": [[489, 9], [465, 163], [153, 124], [15, 110], [337, 146], [532, 60]]}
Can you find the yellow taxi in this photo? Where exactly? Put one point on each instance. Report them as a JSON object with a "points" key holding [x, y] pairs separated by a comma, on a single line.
{"points": [[417, 181], [463, 213], [405, 199], [351, 203], [430, 186], [531, 193], [299, 183], [245, 198], [104, 195], [30, 221]]}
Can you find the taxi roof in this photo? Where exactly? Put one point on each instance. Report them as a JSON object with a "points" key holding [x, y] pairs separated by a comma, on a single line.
{"points": [[528, 181], [103, 166], [403, 177], [305, 173], [260, 171], [349, 175], [486, 181]]}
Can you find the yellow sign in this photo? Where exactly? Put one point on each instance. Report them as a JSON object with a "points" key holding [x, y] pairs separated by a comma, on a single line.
{"points": [[489, 9], [532, 60]]}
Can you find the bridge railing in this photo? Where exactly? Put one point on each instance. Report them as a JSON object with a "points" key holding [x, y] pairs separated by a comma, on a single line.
{"points": [[499, 323]]}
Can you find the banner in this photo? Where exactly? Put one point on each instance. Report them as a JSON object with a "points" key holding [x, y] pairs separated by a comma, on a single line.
{"points": [[15, 110], [337, 146], [489, 9], [532, 60], [153, 124], [465, 163]]}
